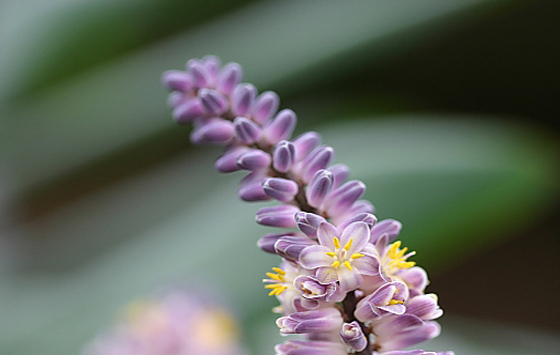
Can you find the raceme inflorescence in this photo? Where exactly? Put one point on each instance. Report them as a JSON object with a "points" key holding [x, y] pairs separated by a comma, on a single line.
{"points": [[345, 283]]}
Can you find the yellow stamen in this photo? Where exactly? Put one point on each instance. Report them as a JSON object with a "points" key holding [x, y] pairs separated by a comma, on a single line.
{"points": [[272, 286], [349, 244], [336, 263], [275, 276], [393, 249], [336, 242], [330, 253], [392, 302], [407, 265], [347, 264], [278, 270], [356, 256], [401, 253]]}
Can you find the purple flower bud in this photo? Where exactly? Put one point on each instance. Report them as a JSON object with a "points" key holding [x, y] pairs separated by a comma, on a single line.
{"points": [[312, 291], [393, 333], [228, 78], [318, 159], [265, 107], [281, 127], [177, 80], [353, 336], [300, 347], [227, 163], [251, 188], [267, 242], [416, 278], [389, 227], [305, 143], [281, 189], [424, 307], [246, 131], [344, 197], [213, 131], [277, 216], [242, 99], [254, 159], [212, 65], [319, 187], [252, 192], [363, 217], [387, 299], [188, 111], [317, 321], [200, 74], [284, 156], [213, 102], [308, 223], [340, 174], [290, 246], [175, 98]]}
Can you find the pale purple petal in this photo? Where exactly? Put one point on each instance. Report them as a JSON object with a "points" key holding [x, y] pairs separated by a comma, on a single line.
{"points": [[315, 256], [349, 279], [326, 233], [358, 232]]}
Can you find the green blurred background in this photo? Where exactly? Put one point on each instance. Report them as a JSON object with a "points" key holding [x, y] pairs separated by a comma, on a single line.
{"points": [[446, 109]]}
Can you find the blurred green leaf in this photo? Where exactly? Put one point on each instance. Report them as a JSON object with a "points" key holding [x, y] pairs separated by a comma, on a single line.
{"points": [[424, 172], [115, 105]]}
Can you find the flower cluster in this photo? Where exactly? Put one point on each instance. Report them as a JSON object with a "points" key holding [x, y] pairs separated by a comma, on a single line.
{"points": [[344, 282], [175, 324]]}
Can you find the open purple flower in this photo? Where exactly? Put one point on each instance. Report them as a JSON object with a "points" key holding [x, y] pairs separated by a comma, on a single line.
{"points": [[341, 258]]}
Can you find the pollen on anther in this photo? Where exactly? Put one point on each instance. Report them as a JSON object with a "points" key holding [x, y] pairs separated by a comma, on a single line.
{"points": [[330, 253], [336, 242], [349, 244], [347, 264], [278, 270], [356, 256], [336, 263]]}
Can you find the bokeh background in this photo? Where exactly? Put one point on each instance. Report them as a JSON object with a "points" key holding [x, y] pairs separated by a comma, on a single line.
{"points": [[446, 109]]}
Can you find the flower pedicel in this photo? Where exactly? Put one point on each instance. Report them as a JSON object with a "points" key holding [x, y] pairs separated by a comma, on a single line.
{"points": [[344, 282]]}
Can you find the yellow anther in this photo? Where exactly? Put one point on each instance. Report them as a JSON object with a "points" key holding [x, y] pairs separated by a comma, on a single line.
{"points": [[336, 242], [392, 302], [407, 265], [401, 253], [272, 293], [393, 249], [278, 270], [336, 263], [349, 244], [272, 286], [330, 253], [347, 264], [275, 276], [356, 256]]}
